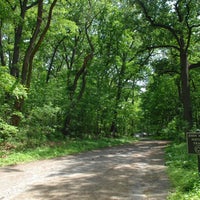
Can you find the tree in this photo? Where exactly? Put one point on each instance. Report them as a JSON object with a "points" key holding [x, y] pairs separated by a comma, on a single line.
{"points": [[37, 31], [78, 59], [176, 25], [160, 101]]}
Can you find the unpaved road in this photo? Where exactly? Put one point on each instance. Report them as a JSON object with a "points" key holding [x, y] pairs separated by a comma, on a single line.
{"points": [[129, 172]]}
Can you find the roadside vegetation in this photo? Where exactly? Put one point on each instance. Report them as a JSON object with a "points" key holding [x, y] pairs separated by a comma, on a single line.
{"points": [[13, 153], [183, 173]]}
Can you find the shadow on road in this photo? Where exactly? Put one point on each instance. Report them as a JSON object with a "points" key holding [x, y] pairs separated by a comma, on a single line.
{"points": [[132, 172]]}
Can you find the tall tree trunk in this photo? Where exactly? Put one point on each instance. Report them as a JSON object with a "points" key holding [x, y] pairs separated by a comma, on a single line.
{"points": [[186, 99], [35, 43], [113, 128], [17, 40], [67, 122], [14, 69], [3, 63], [82, 72]]}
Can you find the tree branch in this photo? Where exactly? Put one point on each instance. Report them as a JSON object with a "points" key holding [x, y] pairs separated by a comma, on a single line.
{"points": [[195, 25], [32, 43], [156, 24], [180, 18], [40, 40], [188, 26], [45, 28], [170, 72], [162, 46], [195, 65], [52, 58]]}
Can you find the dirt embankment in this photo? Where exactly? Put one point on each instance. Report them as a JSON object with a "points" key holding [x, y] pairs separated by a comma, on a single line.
{"points": [[128, 172]]}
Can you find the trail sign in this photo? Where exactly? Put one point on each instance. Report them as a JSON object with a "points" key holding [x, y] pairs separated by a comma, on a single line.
{"points": [[193, 141]]}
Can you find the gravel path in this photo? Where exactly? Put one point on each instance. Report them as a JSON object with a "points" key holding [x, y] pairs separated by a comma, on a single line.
{"points": [[128, 172]]}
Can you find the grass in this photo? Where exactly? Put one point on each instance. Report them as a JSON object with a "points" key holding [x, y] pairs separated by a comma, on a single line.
{"points": [[183, 172], [11, 155]]}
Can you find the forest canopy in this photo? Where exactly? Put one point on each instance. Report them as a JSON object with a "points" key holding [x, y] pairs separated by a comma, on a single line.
{"points": [[106, 68]]}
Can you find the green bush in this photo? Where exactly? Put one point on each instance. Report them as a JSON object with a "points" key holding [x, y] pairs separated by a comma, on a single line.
{"points": [[174, 130], [10, 85], [42, 124], [10, 91], [7, 131]]}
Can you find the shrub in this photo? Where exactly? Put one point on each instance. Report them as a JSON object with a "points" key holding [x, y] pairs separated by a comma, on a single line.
{"points": [[42, 123], [6, 130], [174, 130]]}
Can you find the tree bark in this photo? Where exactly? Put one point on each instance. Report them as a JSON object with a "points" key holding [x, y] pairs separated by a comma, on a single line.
{"points": [[82, 72], [183, 37], [14, 68], [113, 128], [49, 71], [186, 99], [17, 40], [29, 50], [39, 42], [3, 63], [33, 47]]}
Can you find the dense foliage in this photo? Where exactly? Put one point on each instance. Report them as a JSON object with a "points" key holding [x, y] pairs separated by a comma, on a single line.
{"points": [[98, 69]]}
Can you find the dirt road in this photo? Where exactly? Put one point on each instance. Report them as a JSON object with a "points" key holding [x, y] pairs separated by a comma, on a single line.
{"points": [[128, 172]]}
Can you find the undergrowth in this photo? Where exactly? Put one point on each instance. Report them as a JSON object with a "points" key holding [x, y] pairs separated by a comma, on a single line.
{"points": [[183, 172], [11, 154]]}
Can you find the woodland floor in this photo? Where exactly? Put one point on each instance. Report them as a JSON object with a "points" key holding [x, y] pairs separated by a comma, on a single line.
{"points": [[129, 172]]}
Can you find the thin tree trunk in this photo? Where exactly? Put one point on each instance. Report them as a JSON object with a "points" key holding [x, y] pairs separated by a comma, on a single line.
{"points": [[52, 59]]}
